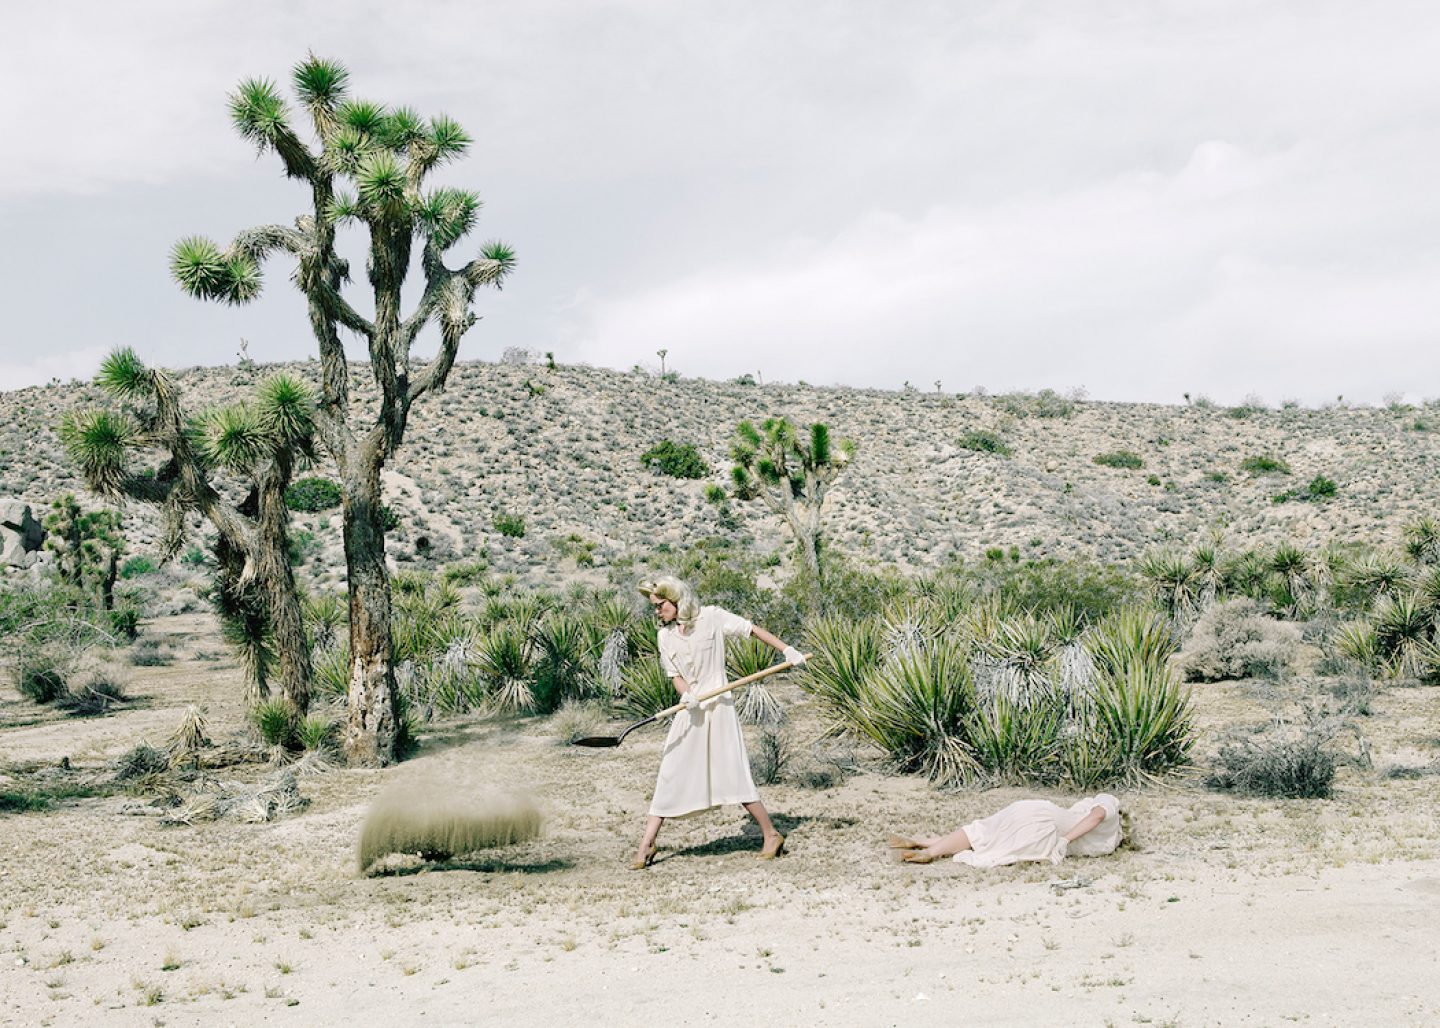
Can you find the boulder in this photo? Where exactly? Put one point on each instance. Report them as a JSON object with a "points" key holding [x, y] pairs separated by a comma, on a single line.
{"points": [[20, 535]]}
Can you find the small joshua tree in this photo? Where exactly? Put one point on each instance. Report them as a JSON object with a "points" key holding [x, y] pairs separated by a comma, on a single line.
{"points": [[791, 473], [87, 547], [259, 443], [368, 169]]}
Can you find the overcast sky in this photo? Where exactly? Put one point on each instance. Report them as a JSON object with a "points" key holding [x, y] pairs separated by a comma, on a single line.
{"points": [[1137, 199]]}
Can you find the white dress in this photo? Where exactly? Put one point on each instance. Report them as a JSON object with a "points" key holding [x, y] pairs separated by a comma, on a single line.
{"points": [[704, 762], [1035, 830]]}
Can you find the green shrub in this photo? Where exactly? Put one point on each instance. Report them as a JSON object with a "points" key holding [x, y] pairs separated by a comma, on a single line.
{"points": [[1120, 459], [137, 566], [512, 525], [315, 732], [1321, 488], [466, 573], [313, 494], [40, 676], [1264, 465], [301, 546], [715, 494], [982, 441], [1045, 404], [678, 460], [194, 556]]}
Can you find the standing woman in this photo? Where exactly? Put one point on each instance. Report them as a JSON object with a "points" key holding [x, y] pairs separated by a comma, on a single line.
{"points": [[704, 762]]}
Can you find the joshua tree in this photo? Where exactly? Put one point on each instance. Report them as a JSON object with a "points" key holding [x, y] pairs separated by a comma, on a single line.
{"points": [[87, 547], [260, 443], [791, 474], [385, 156]]}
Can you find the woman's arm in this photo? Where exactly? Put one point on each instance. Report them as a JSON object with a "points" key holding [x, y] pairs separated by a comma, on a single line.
{"points": [[1085, 824], [794, 656]]}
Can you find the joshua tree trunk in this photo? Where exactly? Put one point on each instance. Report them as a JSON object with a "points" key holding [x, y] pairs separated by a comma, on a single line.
{"points": [[370, 732], [272, 559]]}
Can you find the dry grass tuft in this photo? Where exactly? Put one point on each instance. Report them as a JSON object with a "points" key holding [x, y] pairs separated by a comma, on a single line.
{"points": [[436, 823]]}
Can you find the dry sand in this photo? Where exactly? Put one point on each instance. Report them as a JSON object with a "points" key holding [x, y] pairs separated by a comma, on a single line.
{"points": [[1224, 911]]}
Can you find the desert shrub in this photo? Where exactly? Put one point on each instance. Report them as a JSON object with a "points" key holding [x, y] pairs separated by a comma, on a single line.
{"points": [[40, 675], [1234, 640], [150, 653], [678, 460], [982, 441], [139, 761], [567, 652], [275, 721], [1042, 585], [511, 525], [134, 567], [1126, 459], [1321, 488], [94, 696], [194, 557], [40, 796], [1282, 763], [504, 660], [1045, 404], [770, 755], [313, 494], [715, 494], [1264, 464]]}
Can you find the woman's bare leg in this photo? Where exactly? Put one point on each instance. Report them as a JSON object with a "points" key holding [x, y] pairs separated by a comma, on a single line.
{"points": [[945, 845], [647, 840], [762, 818]]}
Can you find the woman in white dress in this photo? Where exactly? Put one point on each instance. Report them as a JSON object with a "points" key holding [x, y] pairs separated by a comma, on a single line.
{"points": [[704, 763], [1035, 830]]}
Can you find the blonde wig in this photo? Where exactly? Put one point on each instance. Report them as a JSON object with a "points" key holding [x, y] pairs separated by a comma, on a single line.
{"points": [[668, 587]]}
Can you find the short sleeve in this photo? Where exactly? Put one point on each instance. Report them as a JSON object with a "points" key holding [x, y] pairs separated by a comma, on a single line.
{"points": [[667, 663], [733, 626]]}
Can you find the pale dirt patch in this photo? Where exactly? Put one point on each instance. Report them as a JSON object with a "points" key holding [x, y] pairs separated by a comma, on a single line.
{"points": [[1224, 911]]}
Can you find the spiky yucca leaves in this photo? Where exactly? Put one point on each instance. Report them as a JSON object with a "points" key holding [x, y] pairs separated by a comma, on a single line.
{"points": [[1403, 629], [1173, 581], [1130, 638], [324, 616], [504, 659], [842, 653], [1207, 562], [568, 650], [1376, 576], [646, 690], [332, 669], [755, 704], [1141, 721], [1014, 741], [1356, 641], [1247, 574], [1422, 541], [1022, 652], [913, 707], [1294, 573], [315, 733], [275, 721]]}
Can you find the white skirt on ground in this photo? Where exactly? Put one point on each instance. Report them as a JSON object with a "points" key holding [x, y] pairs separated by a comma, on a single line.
{"points": [[1033, 830]]}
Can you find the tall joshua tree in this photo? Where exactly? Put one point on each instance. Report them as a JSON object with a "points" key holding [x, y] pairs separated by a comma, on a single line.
{"points": [[260, 443], [791, 473], [366, 167]]}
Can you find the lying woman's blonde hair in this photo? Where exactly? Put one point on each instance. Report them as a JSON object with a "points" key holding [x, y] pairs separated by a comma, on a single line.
{"points": [[668, 587]]}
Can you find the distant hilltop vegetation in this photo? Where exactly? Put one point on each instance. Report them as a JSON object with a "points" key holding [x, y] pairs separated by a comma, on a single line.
{"points": [[539, 468]]}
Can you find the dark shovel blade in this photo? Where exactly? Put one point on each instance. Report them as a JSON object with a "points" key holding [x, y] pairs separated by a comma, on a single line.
{"points": [[598, 742]]}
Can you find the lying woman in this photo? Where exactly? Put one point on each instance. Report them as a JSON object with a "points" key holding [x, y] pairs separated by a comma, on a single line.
{"points": [[1025, 830]]}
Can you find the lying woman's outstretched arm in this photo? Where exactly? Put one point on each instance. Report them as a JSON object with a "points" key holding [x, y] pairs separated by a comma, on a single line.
{"points": [[1085, 824]]}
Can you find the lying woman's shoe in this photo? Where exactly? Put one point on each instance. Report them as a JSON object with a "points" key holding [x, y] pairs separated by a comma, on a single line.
{"points": [[646, 860], [918, 857], [770, 852], [900, 842]]}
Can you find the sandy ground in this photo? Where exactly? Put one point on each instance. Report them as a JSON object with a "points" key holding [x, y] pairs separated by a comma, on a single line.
{"points": [[1224, 911]]}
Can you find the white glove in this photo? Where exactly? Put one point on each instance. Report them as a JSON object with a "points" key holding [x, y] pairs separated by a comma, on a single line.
{"points": [[793, 656], [690, 701]]}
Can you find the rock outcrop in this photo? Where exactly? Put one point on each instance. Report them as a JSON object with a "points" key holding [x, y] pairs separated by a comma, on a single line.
{"points": [[20, 535]]}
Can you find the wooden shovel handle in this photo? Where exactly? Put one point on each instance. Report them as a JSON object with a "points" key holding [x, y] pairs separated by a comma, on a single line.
{"points": [[766, 673]]}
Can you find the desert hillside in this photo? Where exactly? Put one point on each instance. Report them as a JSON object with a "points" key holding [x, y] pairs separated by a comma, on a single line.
{"points": [[560, 447]]}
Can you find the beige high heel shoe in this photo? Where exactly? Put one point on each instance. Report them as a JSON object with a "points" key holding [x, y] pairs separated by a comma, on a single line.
{"points": [[649, 858], [769, 852], [901, 842]]}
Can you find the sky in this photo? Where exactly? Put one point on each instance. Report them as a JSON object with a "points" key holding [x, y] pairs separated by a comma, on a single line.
{"points": [[1140, 200]]}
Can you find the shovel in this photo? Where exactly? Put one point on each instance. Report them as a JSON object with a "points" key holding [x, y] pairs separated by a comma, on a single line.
{"points": [[606, 741]]}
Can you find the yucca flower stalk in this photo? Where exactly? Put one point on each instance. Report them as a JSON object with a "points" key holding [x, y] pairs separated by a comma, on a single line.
{"points": [[366, 166]]}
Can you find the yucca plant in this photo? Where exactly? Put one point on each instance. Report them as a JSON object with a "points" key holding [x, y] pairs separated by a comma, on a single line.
{"points": [[842, 653], [324, 616], [504, 659], [1172, 579], [332, 670], [913, 707], [315, 733], [1376, 576], [1422, 541], [646, 690], [1132, 637], [1023, 650], [756, 704], [566, 656], [1356, 641], [1015, 742], [1247, 574], [1143, 718], [1403, 628], [275, 721]]}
